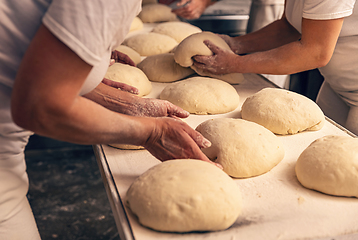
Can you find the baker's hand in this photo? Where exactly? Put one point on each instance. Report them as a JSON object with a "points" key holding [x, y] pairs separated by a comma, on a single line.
{"points": [[173, 139], [221, 62], [192, 10], [120, 57], [233, 44], [121, 86]]}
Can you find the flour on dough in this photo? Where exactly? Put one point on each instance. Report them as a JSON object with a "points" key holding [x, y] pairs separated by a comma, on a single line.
{"points": [[283, 111], [156, 12], [185, 195], [244, 149], [330, 165], [177, 30], [202, 95]]}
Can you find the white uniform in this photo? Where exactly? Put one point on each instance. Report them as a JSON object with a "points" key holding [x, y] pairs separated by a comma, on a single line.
{"points": [[91, 28], [341, 73]]}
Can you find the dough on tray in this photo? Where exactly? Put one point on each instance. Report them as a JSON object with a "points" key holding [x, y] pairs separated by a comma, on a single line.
{"points": [[130, 52], [130, 75], [202, 95], [330, 165], [147, 44], [244, 149], [185, 195], [282, 111], [177, 30], [163, 68], [156, 12], [194, 45]]}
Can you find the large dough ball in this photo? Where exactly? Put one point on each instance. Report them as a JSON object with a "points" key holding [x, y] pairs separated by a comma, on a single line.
{"points": [[130, 52], [244, 149], [194, 45], [132, 76], [177, 30], [163, 68], [147, 44], [137, 24], [330, 165], [156, 12], [282, 111], [185, 195], [202, 95]]}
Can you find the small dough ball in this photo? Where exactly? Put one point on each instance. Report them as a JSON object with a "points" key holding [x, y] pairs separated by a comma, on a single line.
{"points": [[163, 68], [130, 52], [330, 165], [156, 12], [185, 195], [282, 111], [126, 146], [202, 95], [194, 45], [244, 149], [137, 24], [130, 75], [177, 30], [147, 44]]}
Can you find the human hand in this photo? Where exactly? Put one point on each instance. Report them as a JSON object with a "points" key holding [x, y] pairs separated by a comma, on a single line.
{"points": [[122, 58], [191, 10], [174, 139], [121, 86], [231, 42]]}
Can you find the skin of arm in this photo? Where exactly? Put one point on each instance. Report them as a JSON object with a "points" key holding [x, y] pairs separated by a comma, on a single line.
{"points": [[192, 10], [280, 51], [45, 99]]}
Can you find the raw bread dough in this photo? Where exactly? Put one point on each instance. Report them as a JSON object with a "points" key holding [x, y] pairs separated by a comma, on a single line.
{"points": [[177, 30], [137, 24], [132, 76], [144, 2], [283, 111], [244, 149], [330, 165], [156, 12], [185, 195], [147, 44], [194, 45], [163, 68], [126, 146], [132, 54], [202, 95]]}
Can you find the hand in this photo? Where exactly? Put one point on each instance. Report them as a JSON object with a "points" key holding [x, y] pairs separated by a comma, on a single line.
{"points": [[233, 44], [192, 10], [122, 58], [174, 139], [121, 86], [221, 62]]}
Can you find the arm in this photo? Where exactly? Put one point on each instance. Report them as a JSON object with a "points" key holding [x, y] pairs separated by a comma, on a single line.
{"points": [[45, 99], [192, 10]]}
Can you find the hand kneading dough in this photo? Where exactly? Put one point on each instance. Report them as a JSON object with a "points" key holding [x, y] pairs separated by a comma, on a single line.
{"points": [[244, 149], [194, 45], [283, 111], [330, 165], [185, 195], [147, 44], [130, 52], [132, 76], [202, 95], [163, 68], [156, 12], [177, 30]]}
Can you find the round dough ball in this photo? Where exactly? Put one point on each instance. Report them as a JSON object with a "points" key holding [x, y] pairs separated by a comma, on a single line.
{"points": [[156, 12], [163, 68], [185, 195], [330, 165], [126, 146], [194, 45], [244, 149], [202, 95], [132, 76], [130, 52], [177, 30], [282, 111], [147, 44], [137, 24]]}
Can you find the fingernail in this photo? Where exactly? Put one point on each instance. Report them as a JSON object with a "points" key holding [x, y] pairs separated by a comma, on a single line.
{"points": [[206, 143]]}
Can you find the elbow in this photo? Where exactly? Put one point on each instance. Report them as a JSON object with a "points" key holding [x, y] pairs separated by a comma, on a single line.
{"points": [[322, 59]]}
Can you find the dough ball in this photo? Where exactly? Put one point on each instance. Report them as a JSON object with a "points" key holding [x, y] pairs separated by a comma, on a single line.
{"points": [[156, 12], [202, 95], [130, 52], [126, 146], [283, 111], [244, 149], [132, 76], [163, 68], [185, 195], [147, 44], [137, 24], [194, 45], [177, 30], [330, 165]]}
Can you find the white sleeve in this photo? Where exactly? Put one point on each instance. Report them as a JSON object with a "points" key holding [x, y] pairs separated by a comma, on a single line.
{"points": [[327, 9]]}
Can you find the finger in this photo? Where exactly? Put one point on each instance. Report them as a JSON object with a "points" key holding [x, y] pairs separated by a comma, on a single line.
{"points": [[121, 86], [215, 49], [177, 111]]}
